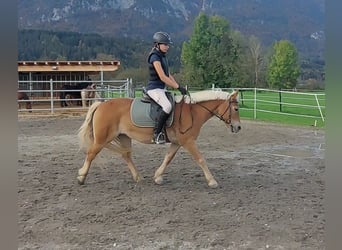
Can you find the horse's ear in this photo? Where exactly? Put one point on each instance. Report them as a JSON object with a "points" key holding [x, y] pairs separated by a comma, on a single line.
{"points": [[234, 94]]}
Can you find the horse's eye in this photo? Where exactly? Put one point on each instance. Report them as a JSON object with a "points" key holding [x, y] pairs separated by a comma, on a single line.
{"points": [[236, 109]]}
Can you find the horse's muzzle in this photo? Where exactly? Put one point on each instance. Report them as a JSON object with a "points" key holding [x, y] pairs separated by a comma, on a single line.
{"points": [[235, 128]]}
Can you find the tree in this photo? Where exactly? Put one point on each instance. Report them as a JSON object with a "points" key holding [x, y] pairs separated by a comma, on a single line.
{"points": [[283, 70], [195, 52], [256, 58], [208, 57]]}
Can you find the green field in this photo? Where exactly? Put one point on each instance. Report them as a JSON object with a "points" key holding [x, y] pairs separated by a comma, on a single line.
{"points": [[295, 108]]}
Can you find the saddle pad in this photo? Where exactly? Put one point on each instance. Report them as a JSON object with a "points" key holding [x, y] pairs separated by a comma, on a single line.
{"points": [[140, 114]]}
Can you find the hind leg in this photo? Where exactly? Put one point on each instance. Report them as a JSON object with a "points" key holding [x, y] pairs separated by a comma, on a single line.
{"points": [[91, 154], [158, 178], [126, 142]]}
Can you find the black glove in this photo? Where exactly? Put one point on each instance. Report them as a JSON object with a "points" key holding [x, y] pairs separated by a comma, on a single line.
{"points": [[182, 90]]}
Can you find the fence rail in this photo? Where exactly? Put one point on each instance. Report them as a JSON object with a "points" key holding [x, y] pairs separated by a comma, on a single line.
{"points": [[48, 99], [258, 101], [255, 103]]}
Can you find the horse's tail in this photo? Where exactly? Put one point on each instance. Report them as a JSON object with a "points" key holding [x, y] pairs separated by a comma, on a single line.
{"points": [[86, 136], [85, 132]]}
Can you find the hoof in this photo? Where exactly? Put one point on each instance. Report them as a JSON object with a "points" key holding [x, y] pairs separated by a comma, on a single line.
{"points": [[158, 180], [80, 179], [212, 184], [137, 178]]}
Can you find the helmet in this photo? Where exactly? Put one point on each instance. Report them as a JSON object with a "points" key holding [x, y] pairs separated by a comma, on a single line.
{"points": [[162, 37]]}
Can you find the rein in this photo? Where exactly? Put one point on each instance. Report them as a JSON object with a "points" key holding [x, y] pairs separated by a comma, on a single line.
{"points": [[180, 115], [228, 121]]}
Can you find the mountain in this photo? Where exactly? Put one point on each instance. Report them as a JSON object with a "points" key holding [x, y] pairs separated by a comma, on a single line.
{"points": [[300, 21]]}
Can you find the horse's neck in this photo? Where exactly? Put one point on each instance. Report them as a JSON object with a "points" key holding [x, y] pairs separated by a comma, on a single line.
{"points": [[198, 113], [207, 109]]}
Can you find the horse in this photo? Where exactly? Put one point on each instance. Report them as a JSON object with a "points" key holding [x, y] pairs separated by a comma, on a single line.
{"points": [[88, 95], [24, 96], [71, 93], [109, 125]]}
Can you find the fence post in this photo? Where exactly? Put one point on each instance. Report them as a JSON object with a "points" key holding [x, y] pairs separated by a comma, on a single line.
{"points": [[102, 87], [31, 88], [131, 88], [51, 95], [319, 108], [255, 103], [241, 94], [280, 101], [127, 88]]}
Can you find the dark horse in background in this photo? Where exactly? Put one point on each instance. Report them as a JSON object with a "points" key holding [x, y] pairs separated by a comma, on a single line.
{"points": [[71, 93], [22, 96]]}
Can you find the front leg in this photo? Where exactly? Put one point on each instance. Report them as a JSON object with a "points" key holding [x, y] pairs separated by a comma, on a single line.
{"points": [[158, 178], [197, 156]]}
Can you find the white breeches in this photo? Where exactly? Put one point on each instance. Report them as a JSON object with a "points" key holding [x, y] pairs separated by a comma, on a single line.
{"points": [[159, 96]]}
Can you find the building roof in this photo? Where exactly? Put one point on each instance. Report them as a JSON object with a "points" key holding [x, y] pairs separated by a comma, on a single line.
{"points": [[67, 66]]}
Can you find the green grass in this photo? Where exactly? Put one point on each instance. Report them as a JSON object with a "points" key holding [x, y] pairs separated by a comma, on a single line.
{"points": [[293, 104]]}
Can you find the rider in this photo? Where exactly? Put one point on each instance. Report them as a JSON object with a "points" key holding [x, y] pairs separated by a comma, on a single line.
{"points": [[159, 79]]}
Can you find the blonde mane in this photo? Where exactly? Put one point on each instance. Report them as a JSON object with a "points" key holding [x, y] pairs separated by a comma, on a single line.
{"points": [[205, 95]]}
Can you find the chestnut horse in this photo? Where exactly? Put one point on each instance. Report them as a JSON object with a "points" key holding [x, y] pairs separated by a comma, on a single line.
{"points": [[109, 125], [23, 97]]}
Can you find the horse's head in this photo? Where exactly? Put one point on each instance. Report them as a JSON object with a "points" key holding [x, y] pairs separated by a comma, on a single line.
{"points": [[233, 116]]}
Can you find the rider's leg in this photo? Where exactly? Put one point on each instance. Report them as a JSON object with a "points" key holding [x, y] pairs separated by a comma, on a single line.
{"points": [[158, 134], [159, 96]]}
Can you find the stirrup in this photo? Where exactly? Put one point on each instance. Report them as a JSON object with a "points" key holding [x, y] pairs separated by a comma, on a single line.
{"points": [[159, 139]]}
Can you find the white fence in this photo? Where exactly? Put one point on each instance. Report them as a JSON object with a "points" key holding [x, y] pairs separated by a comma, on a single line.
{"points": [[285, 102], [253, 100], [48, 99]]}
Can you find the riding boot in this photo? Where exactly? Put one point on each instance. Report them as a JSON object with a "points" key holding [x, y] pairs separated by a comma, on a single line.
{"points": [[158, 135]]}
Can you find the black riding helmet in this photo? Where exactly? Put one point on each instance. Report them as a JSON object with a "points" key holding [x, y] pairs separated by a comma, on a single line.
{"points": [[161, 37]]}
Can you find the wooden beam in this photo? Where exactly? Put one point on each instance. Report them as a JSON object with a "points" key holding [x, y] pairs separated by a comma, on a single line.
{"points": [[67, 66]]}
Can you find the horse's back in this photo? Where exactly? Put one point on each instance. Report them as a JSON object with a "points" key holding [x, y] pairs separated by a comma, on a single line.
{"points": [[114, 108]]}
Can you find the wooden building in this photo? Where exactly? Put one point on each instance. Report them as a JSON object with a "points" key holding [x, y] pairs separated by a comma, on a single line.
{"points": [[39, 74]]}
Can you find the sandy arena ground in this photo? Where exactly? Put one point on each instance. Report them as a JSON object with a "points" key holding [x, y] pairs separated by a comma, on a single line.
{"points": [[270, 194]]}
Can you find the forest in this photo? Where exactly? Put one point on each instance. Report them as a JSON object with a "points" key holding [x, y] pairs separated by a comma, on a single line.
{"points": [[37, 45]]}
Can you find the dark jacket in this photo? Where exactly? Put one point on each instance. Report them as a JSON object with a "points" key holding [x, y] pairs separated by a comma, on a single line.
{"points": [[154, 80]]}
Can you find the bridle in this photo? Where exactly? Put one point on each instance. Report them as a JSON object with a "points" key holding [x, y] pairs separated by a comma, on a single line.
{"points": [[226, 121], [229, 108]]}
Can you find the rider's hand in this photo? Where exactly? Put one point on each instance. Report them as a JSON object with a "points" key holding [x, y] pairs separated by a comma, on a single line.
{"points": [[182, 90]]}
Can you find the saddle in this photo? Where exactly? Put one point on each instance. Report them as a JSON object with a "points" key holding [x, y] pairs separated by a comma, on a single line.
{"points": [[145, 111]]}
